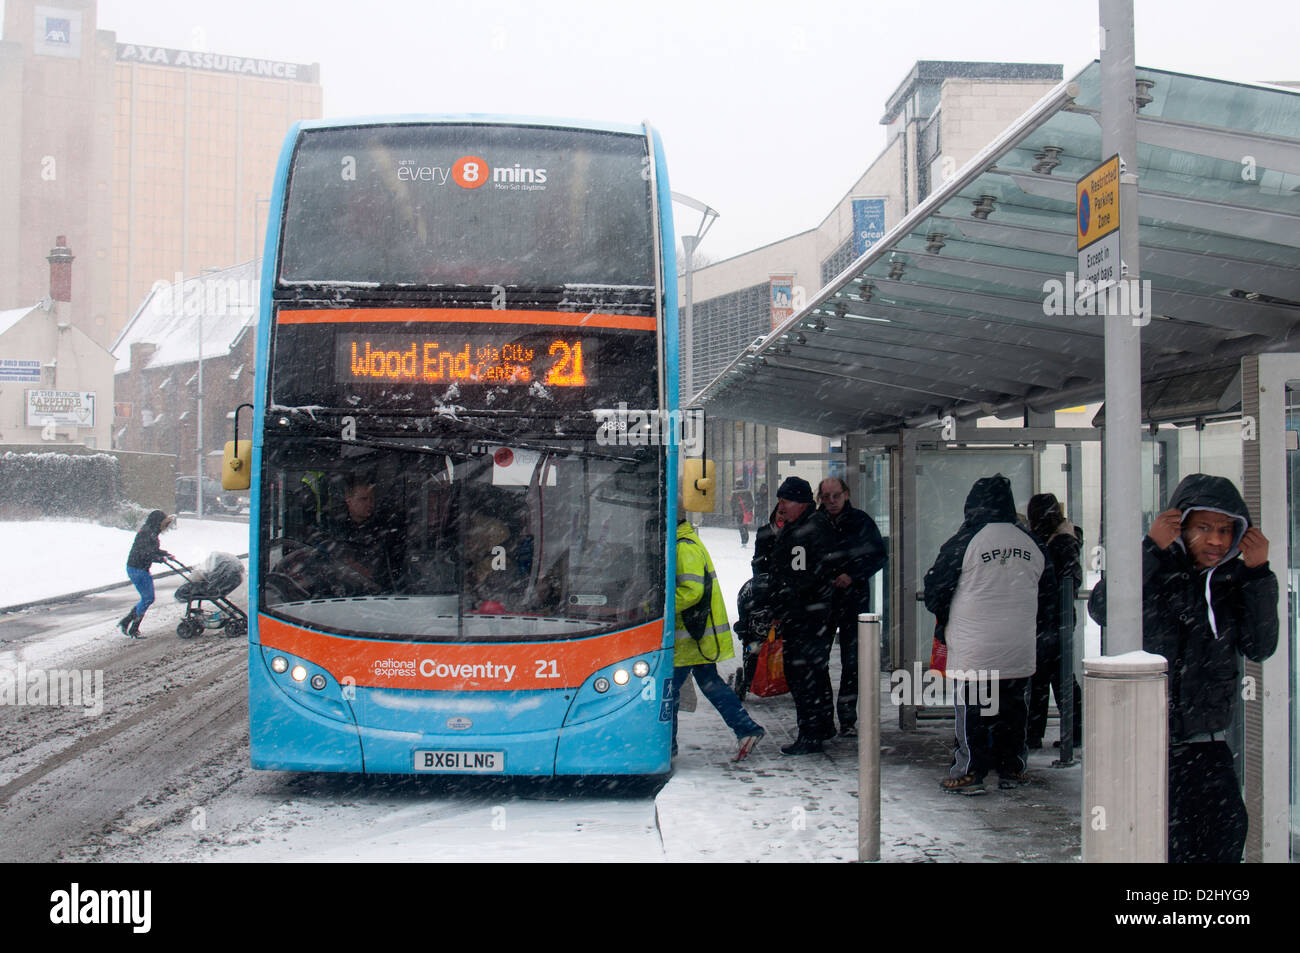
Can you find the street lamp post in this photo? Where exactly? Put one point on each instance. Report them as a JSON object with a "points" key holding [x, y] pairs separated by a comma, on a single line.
{"points": [[688, 329], [198, 489], [689, 243]]}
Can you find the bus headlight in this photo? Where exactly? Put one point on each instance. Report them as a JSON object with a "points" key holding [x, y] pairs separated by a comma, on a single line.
{"points": [[279, 665], [299, 673], [621, 676], [318, 681], [601, 685], [641, 668]]}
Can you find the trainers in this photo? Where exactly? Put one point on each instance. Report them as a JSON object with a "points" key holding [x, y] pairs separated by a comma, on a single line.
{"points": [[802, 745], [848, 731], [748, 744]]}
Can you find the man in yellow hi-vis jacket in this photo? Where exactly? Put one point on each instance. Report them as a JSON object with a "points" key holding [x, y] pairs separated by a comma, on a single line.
{"points": [[698, 657]]}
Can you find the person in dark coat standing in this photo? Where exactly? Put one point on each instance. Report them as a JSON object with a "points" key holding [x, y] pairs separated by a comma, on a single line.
{"points": [[859, 555], [1062, 543], [797, 591], [1208, 595], [742, 511], [145, 551]]}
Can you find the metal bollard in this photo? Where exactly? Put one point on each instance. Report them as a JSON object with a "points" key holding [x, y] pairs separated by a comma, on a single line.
{"points": [[868, 737], [1126, 766]]}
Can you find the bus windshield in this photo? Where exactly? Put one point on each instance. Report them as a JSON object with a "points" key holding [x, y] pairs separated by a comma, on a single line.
{"points": [[502, 544], [436, 204]]}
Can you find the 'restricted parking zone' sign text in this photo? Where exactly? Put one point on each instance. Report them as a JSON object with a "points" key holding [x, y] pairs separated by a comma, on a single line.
{"points": [[1097, 220]]}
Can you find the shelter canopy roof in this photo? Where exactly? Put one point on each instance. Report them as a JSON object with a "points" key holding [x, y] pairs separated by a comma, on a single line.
{"points": [[967, 306]]}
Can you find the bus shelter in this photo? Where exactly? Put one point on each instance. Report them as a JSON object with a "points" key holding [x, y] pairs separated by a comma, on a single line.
{"points": [[967, 313]]}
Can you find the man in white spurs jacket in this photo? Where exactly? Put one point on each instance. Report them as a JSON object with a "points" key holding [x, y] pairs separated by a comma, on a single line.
{"points": [[991, 590]]}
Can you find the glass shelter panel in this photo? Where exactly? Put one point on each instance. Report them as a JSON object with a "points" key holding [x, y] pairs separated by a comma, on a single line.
{"points": [[943, 480], [1292, 632], [872, 495]]}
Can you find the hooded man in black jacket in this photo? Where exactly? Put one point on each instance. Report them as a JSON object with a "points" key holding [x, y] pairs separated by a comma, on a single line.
{"points": [[1207, 595], [1062, 543]]}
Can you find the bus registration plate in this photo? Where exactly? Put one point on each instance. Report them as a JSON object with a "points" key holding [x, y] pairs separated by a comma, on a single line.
{"points": [[461, 762]]}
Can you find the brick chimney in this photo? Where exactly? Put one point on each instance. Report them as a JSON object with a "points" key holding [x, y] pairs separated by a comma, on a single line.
{"points": [[60, 259], [141, 351]]}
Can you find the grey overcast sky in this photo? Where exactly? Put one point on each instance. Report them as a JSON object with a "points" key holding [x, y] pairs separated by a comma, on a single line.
{"points": [[769, 110]]}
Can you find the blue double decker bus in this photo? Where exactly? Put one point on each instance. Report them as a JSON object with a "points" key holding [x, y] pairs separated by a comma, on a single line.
{"points": [[453, 567]]}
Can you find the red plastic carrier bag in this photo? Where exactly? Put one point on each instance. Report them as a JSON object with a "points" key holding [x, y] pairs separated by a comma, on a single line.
{"points": [[939, 656], [769, 673]]}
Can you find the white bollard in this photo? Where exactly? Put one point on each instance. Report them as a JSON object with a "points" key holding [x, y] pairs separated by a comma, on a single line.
{"points": [[868, 737], [1125, 759]]}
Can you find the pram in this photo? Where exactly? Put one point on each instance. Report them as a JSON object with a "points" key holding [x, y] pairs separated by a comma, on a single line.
{"points": [[752, 633], [220, 576]]}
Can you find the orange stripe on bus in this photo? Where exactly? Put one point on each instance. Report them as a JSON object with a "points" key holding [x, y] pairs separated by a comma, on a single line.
{"points": [[443, 666], [568, 319]]}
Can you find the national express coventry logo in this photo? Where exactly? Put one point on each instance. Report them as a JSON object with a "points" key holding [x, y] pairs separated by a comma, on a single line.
{"points": [[472, 172]]}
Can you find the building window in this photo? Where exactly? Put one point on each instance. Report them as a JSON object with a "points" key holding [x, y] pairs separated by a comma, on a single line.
{"points": [[927, 150], [725, 326], [839, 259]]}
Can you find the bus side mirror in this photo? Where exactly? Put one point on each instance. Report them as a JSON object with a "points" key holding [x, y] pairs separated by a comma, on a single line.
{"points": [[237, 462], [237, 467], [698, 486]]}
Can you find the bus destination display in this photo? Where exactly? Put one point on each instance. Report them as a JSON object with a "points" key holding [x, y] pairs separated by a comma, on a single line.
{"points": [[485, 359]]}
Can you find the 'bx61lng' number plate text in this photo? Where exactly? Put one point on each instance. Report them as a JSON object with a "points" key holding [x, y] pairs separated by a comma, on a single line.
{"points": [[477, 762]]}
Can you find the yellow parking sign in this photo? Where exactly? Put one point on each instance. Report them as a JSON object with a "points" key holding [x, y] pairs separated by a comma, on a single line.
{"points": [[1096, 203]]}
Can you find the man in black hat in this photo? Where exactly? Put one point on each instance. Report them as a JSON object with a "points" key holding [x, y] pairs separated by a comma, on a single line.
{"points": [[797, 591]]}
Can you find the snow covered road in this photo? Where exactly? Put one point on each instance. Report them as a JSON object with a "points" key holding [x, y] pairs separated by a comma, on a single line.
{"points": [[162, 773]]}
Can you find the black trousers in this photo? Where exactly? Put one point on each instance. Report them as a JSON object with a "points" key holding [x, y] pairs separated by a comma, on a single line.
{"points": [[1048, 676], [1207, 817], [807, 672], [990, 741]]}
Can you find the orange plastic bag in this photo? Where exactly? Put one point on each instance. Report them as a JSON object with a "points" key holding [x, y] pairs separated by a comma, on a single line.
{"points": [[769, 673]]}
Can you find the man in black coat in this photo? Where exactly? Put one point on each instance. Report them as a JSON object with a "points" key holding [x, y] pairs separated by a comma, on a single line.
{"points": [[1204, 544], [1062, 543], [797, 591], [859, 555]]}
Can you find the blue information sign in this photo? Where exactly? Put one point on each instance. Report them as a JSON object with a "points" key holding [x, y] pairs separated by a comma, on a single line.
{"points": [[868, 224]]}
